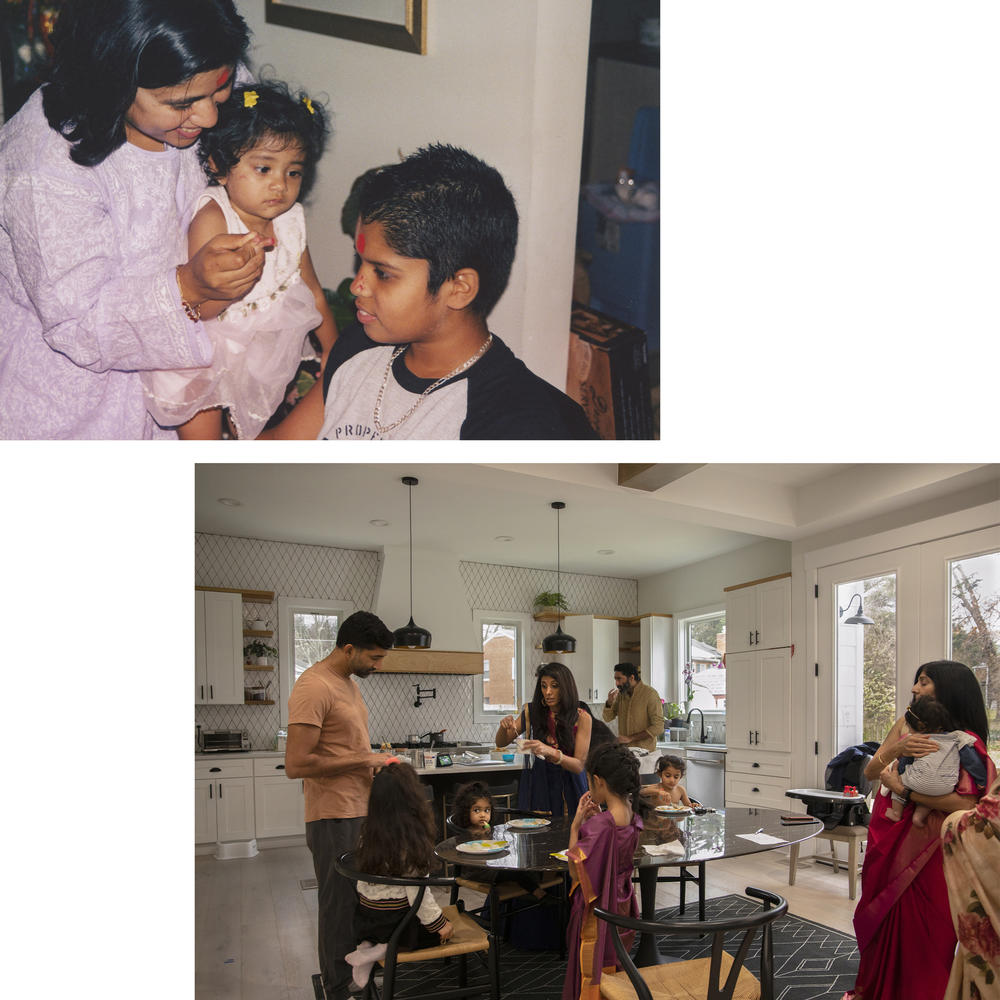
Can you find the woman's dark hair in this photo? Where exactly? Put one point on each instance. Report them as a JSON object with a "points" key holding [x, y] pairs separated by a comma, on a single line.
{"points": [[956, 687], [269, 111], [446, 206], [618, 766], [465, 798], [566, 713], [397, 836], [669, 760], [928, 715], [106, 49]]}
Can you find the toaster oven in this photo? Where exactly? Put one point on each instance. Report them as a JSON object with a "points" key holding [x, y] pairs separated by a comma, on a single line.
{"points": [[225, 741]]}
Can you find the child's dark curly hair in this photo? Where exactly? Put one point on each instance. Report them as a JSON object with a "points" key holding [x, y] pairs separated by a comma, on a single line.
{"points": [[669, 760], [928, 715], [465, 798], [398, 834], [618, 766], [257, 112]]}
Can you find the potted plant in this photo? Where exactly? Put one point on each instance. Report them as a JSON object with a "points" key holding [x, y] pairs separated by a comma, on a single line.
{"points": [[549, 602], [258, 652]]}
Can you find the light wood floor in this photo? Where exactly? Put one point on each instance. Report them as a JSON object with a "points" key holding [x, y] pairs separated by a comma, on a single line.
{"points": [[255, 928]]}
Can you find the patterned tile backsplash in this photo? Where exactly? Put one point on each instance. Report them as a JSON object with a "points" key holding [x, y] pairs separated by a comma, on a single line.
{"points": [[348, 574]]}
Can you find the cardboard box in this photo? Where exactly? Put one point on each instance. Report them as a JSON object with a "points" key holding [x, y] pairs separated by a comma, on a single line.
{"points": [[608, 375]]}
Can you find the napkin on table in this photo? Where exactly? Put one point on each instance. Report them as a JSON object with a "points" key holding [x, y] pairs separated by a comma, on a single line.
{"points": [[674, 847], [761, 838]]}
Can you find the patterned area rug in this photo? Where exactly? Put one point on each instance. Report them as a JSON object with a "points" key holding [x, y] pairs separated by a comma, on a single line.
{"points": [[812, 962]]}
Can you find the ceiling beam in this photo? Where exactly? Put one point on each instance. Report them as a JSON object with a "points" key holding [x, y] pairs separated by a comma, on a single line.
{"points": [[651, 478]]}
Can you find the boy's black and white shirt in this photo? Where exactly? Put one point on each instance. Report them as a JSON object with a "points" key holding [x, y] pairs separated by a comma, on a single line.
{"points": [[497, 398]]}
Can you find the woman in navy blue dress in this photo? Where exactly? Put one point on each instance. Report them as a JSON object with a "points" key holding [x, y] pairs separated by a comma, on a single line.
{"points": [[557, 739]]}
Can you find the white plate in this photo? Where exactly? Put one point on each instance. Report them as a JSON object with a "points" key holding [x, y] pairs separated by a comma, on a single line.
{"points": [[482, 846], [528, 823], [673, 811]]}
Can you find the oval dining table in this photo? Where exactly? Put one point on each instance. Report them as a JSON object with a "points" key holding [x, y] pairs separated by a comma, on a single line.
{"points": [[697, 839]]}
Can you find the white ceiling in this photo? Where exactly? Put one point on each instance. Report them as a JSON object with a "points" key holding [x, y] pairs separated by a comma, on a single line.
{"points": [[700, 512]]}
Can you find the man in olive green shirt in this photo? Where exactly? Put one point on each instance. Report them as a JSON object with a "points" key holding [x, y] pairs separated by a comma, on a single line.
{"points": [[636, 706]]}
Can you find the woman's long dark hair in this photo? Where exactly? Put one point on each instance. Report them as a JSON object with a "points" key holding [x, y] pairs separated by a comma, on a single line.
{"points": [[618, 766], [567, 711], [106, 49], [956, 687], [397, 836]]}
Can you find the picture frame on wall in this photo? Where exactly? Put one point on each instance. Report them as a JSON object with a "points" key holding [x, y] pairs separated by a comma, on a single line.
{"points": [[393, 24]]}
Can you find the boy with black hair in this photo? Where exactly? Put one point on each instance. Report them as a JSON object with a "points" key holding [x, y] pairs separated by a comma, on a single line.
{"points": [[435, 239]]}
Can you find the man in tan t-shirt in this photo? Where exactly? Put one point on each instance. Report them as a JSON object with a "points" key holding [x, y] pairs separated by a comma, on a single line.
{"points": [[328, 746], [636, 706]]}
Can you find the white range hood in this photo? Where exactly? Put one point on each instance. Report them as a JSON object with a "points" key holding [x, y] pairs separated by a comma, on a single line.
{"points": [[439, 601]]}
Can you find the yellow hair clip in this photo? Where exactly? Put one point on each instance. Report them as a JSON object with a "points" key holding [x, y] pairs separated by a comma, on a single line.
{"points": [[250, 98], [309, 105]]}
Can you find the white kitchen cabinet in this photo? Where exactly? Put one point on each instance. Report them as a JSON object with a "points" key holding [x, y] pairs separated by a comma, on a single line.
{"points": [[223, 801], [758, 699], [757, 778], [592, 665], [218, 648], [759, 615], [279, 806]]}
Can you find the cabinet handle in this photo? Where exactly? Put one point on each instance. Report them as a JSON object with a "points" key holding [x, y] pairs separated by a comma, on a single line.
{"points": [[756, 736], [749, 736], [220, 789], [755, 764], [756, 638], [214, 770], [279, 767], [756, 789], [203, 692], [750, 640], [209, 789]]}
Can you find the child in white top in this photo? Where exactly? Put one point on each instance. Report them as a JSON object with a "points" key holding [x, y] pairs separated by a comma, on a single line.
{"points": [[260, 160], [669, 791]]}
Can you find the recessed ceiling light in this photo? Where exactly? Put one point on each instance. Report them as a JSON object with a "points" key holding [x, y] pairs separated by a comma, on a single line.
{"points": [[379, 523], [605, 552], [504, 538], [230, 502]]}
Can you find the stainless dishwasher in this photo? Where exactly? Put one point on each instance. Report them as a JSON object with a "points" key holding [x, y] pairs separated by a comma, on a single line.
{"points": [[705, 779]]}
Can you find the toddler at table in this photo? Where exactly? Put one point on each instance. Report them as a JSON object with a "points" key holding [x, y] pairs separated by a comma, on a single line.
{"points": [[669, 792]]}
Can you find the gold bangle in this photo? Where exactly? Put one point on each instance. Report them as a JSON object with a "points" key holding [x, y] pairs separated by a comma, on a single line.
{"points": [[559, 758], [193, 313]]}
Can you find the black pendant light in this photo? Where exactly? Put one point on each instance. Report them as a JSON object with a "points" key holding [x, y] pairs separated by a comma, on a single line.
{"points": [[411, 636], [558, 641]]}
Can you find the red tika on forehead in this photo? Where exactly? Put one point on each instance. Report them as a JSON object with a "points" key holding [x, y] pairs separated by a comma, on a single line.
{"points": [[223, 77], [360, 242]]}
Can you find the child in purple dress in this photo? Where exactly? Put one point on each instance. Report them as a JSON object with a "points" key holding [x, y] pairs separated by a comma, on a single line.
{"points": [[601, 850]]}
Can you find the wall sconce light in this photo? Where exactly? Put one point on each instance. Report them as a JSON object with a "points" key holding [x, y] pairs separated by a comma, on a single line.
{"points": [[860, 618]]}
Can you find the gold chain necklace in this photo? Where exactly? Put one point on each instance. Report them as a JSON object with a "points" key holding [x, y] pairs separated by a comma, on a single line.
{"points": [[381, 430]]}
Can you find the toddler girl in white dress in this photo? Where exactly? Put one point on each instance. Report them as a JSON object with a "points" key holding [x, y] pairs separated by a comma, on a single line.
{"points": [[260, 159]]}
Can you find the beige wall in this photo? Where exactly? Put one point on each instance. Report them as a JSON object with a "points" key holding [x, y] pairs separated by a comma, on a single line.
{"points": [[504, 80]]}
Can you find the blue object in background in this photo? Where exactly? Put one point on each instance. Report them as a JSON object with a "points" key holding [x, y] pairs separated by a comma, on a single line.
{"points": [[624, 241]]}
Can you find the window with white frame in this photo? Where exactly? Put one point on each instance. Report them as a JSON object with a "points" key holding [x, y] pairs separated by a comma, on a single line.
{"points": [[307, 632], [701, 670], [499, 690]]}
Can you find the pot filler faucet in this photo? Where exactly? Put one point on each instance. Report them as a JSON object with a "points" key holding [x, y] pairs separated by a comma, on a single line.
{"points": [[702, 714]]}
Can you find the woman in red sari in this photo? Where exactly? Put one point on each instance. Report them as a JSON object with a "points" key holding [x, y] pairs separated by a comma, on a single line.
{"points": [[903, 922], [601, 852]]}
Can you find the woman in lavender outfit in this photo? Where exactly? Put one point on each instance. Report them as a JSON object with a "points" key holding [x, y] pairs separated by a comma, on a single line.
{"points": [[97, 176]]}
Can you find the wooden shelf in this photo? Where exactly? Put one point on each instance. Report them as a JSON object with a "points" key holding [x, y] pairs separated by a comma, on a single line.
{"points": [[254, 666], [249, 596], [261, 633], [247, 702], [550, 616], [632, 620], [431, 661]]}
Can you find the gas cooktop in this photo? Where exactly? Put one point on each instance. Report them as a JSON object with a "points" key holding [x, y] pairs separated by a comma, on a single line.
{"points": [[420, 746]]}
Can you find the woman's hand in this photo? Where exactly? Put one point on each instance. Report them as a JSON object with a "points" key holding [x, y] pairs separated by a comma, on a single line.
{"points": [[225, 268], [915, 745], [540, 749], [446, 931]]}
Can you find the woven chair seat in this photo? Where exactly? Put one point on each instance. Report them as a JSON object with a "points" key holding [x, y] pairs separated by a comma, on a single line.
{"points": [[679, 981], [468, 937]]}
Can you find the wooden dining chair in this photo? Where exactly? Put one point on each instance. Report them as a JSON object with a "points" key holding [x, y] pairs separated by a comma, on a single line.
{"points": [[498, 905], [698, 977], [468, 938]]}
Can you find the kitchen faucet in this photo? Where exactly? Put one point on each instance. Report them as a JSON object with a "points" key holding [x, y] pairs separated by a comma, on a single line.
{"points": [[702, 714], [435, 736]]}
